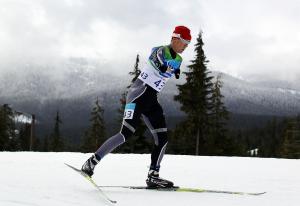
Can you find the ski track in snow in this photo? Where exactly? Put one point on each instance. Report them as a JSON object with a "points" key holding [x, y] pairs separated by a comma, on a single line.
{"points": [[42, 179]]}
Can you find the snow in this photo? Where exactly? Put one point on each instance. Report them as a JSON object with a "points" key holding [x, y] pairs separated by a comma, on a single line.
{"points": [[21, 118], [33, 178], [291, 91]]}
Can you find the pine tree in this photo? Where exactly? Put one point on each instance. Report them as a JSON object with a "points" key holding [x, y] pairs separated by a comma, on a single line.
{"points": [[219, 142], [274, 137], [135, 73], [3, 129], [121, 109], [8, 137], [240, 145], [57, 144], [180, 142], [95, 135], [270, 138], [137, 143], [195, 97], [24, 136], [37, 144], [46, 145], [291, 142]]}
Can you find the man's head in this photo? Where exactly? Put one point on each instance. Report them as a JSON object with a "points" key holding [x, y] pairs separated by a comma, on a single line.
{"points": [[181, 37]]}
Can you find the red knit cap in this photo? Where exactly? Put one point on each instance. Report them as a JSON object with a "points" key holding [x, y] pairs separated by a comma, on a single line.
{"points": [[182, 33]]}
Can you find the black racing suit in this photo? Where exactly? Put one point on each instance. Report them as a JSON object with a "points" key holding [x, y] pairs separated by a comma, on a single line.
{"points": [[141, 101]]}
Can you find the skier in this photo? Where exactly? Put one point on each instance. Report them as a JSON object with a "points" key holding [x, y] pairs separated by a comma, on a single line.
{"points": [[141, 101]]}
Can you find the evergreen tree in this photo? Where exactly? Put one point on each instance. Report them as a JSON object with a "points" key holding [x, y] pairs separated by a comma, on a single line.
{"points": [[3, 129], [95, 135], [195, 98], [46, 145], [180, 140], [240, 146], [24, 136], [57, 144], [219, 142], [37, 144], [121, 109], [137, 143], [291, 139], [135, 73], [269, 138], [274, 136], [8, 137]]}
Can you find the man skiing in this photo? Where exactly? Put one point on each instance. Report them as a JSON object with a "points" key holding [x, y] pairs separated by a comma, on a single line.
{"points": [[141, 101]]}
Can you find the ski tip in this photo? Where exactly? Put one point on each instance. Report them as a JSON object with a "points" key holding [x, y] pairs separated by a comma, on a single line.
{"points": [[259, 193], [251, 193]]}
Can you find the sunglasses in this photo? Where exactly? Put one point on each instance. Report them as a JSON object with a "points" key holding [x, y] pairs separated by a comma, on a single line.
{"points": [[179, 37]]}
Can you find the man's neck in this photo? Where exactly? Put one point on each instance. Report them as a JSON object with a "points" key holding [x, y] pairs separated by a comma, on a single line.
{"points": [[173, 53]]}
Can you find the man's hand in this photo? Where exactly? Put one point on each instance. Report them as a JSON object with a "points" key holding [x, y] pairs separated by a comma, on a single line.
{"points": [[173, 65], [177, 73]]}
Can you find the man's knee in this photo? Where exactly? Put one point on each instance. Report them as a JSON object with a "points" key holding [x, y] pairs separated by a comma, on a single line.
{"points": [[127, 130], [162, 139]]}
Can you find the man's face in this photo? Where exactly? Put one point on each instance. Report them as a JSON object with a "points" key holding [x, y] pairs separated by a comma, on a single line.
{"points": [[178, 45]]}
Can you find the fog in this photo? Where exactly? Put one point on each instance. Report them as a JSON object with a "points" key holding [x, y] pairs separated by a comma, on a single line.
{"points": [[248, 39]]}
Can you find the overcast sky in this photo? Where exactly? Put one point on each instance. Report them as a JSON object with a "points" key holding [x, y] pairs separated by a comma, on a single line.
{"points": [[242, 37]]}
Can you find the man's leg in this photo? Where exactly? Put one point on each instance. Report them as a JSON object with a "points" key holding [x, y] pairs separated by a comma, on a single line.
{"points": [[129, 124], [155, 121], [118, 139], [159, 131]]}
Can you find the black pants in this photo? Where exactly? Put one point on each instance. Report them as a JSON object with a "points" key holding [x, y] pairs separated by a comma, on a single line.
{"points": [[147, 106], [141, 102]]}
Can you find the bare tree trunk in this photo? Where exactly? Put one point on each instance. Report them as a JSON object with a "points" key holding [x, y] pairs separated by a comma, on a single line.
{"points": [[197, 141], [32, 132]]}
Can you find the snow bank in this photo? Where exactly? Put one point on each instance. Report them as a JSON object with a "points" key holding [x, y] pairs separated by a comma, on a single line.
{"points": [[32, 178]]}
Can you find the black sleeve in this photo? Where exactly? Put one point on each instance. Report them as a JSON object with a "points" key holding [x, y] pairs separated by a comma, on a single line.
{"points": [[157, 58]]}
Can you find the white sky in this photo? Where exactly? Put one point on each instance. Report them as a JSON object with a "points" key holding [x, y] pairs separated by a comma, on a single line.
{"points": [[242, 37]]}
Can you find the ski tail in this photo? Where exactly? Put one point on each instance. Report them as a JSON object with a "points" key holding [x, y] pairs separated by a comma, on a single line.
{"points": [[218, 191]]}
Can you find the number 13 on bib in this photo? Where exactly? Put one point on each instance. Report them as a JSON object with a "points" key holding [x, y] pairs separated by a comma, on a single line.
{"points": [[129, 110]]}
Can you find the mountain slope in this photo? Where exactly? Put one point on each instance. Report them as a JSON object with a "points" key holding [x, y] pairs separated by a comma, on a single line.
{"points": [[43, 90], [256, 98], [79, 78]]}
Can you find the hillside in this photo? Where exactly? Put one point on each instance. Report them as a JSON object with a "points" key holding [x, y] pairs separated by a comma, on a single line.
{"points": [[81, 82], [73, 92]]}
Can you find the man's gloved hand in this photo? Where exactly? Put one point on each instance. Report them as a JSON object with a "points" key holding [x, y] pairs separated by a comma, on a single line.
{"points": [[166, 74], [177, 73], [174, 65]]}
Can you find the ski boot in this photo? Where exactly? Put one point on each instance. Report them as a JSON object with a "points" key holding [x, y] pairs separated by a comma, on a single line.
{"points": [[154, 181], [89, 166]]}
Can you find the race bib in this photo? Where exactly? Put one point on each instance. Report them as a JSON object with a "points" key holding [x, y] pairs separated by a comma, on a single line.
{"points": [[153, 78], [129, 111]]}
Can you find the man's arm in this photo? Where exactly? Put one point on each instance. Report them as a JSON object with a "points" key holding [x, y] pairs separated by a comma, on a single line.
{"points": [[158, 60], [164, 65]]}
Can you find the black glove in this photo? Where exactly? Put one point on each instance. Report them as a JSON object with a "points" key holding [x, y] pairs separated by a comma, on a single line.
{"points": [[177, 73]]}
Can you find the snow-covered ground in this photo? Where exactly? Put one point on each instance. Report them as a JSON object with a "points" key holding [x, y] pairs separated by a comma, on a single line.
{"points": [[32, 179]]}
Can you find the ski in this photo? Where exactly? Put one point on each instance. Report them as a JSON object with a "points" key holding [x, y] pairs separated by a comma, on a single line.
{"points": [[101, 193], [184, 189]]}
